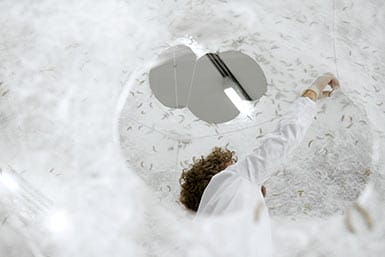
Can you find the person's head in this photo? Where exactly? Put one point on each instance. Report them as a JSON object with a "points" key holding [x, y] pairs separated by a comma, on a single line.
{"points": [[195, 179]]}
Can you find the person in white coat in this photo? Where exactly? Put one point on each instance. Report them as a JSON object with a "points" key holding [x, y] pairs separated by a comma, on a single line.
{"points": [[218, 184]]}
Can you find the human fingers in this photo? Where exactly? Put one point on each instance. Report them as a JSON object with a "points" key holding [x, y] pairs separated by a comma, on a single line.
{"points": [[334, 83], [327, 93]]}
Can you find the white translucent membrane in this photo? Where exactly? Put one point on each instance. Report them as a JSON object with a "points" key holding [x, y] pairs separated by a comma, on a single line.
{"points": [[62, 68]]}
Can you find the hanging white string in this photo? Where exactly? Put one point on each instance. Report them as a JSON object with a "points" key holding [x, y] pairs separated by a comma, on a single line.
{"points": [[178, 143], [334, 38], [175, 79], [191, 83]]}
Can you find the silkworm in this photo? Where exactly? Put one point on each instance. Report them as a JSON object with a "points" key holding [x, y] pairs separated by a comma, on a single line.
{"points": [[365, 214], [363, 122], [345, 105], [182, 118], [342, 118], [348, 222], [311, 141]]}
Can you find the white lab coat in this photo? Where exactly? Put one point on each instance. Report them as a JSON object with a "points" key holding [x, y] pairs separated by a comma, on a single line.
{"points": [[238, 188]]}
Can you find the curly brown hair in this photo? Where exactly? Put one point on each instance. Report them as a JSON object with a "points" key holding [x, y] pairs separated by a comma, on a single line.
{"points": [[195, 179]]}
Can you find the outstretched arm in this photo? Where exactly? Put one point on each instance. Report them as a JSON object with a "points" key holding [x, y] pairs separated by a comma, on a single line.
{"points": [[276, 146]]}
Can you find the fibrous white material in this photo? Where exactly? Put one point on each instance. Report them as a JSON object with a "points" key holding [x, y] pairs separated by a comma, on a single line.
{"points": [[74, 92]]}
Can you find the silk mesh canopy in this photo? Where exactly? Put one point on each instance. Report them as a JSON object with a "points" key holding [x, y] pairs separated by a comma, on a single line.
{"points": [[90, 159]]}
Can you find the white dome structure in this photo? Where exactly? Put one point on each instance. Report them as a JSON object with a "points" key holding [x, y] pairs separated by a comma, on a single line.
{"points": [[90, 159]]}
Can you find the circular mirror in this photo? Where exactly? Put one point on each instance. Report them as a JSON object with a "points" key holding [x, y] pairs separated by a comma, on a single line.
{"points": [[215, 87]]}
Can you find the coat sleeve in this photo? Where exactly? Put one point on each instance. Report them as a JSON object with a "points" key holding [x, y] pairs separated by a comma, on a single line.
{"points": [[258, 166]]}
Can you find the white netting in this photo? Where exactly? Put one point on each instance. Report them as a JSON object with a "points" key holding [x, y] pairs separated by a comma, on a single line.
{"points": [[67, 69]]}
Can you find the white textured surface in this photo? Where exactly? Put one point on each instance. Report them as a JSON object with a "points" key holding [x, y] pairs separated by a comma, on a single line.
{"points": [[63, 65]]}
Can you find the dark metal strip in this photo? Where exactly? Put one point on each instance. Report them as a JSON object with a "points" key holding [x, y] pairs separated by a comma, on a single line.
{"points": [[230, 74], [217, 65]]}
